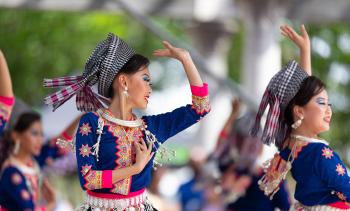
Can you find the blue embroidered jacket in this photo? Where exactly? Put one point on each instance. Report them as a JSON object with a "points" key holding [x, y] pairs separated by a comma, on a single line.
{"points": [[320, 175], [116, 151], [19, 185], [6, 104]]}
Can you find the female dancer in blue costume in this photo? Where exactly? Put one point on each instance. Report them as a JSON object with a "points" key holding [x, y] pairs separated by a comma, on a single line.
{"points": [[299, 112], [114, 148], [21, 154]]}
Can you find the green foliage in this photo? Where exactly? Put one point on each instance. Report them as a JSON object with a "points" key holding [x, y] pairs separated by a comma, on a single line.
{"points": [[49, 44]]}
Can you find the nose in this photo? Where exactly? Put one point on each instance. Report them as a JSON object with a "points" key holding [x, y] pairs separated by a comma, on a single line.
{"points": [[329, 110]]}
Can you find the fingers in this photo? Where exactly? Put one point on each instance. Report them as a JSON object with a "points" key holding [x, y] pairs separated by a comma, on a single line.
{"points": [[137, 147], [167, 45], [150, 157], [288, 32], [303, 31], [161, 52], [143, 145], [150, 147]]}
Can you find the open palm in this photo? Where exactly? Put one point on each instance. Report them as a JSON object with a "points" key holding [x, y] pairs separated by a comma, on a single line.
{"points": [[171, 51], [302, 40]]}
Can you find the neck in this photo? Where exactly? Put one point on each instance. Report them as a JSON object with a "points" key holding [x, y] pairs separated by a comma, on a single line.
{"points": [[23, 157], [120, 108], [304, 132]]}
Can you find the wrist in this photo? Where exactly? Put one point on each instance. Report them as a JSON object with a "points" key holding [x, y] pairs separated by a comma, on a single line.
{"points": [[185, 57], [136, 168]]}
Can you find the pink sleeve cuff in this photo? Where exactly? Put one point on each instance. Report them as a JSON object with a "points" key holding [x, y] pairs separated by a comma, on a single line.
{"points": [[107, 179], [200, 91], [66, 136], [7, 100]]}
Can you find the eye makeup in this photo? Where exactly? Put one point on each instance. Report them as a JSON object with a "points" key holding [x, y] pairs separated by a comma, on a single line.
{"points": [[323, 101], [36, 133], [146, 78]]}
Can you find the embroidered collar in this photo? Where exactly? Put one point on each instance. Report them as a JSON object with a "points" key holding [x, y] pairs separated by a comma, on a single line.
{"points": [[308, 139], [24, 168], [108, 116]]}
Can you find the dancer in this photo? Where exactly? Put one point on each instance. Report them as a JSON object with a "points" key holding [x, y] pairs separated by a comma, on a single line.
{"points": [[299, 111], [114, 148], [22, 185]]}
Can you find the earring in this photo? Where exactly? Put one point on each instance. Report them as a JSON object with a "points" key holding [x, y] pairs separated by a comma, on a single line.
{"points": [[125, 92], [297, 124], [16, 148]]}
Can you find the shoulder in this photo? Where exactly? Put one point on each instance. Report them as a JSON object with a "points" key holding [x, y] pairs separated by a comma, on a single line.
{"points": [[89, 116], [12, 175]]}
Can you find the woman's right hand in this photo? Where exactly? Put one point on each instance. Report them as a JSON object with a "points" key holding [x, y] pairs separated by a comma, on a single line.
{"points": [[143, 154], [302, 40]]}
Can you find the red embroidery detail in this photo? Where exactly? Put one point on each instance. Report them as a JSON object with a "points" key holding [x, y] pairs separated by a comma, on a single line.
{"points": [[340, 169], [341, 196], [85, 169], [327, 153], [16, 179], [25, 195], [85, 150], [85, 129]]}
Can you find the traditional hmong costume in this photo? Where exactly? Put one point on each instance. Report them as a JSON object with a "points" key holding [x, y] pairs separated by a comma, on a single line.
{"points": [[104, 143], [322, 182], [20, 183]]}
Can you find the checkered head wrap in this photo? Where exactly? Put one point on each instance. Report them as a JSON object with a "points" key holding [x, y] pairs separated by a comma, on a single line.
{"points": [[280, 91], [102, 66]]}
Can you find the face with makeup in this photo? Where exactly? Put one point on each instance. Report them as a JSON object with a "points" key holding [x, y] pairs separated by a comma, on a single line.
{"points": [[138, 86], [31, 139], [317, 114]]}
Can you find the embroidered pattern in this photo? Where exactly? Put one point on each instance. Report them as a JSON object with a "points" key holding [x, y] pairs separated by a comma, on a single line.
{"points": [[340, 169], [93, 180], [200, 104], [85, 150], [341, 196], [5, 111], [124, 140], [16, 179], [85, 129], [25, 195], [85, 169], [327, 153]]}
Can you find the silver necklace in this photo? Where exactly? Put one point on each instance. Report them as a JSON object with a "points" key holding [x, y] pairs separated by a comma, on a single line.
{"points": [[308, 139]]}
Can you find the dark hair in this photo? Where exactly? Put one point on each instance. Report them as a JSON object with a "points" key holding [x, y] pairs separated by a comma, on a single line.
{"points": [[23, 123], [310, 87], [132, 66]]}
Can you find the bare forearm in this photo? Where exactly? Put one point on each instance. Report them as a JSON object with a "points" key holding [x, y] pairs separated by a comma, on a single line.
{"points": [[5, 79], [305, 60], [229, 123], [191, 71], [124, 173]]}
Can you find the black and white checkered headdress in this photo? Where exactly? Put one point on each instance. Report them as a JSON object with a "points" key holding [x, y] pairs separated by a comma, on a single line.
{"points": [[102, 66], [280, 91]]}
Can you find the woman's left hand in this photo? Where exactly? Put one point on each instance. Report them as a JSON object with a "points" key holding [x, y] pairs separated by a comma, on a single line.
{"points": [[172, 52]]}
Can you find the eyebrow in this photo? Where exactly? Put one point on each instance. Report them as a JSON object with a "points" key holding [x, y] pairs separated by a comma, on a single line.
{"points": [[146, 74], [322, 98]]}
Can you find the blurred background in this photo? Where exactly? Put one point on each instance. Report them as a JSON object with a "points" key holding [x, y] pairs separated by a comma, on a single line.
{"points": [[236, 45]]}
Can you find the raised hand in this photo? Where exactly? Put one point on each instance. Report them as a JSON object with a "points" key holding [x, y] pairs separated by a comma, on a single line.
{"points": [[171, 51], [302, 40]]}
